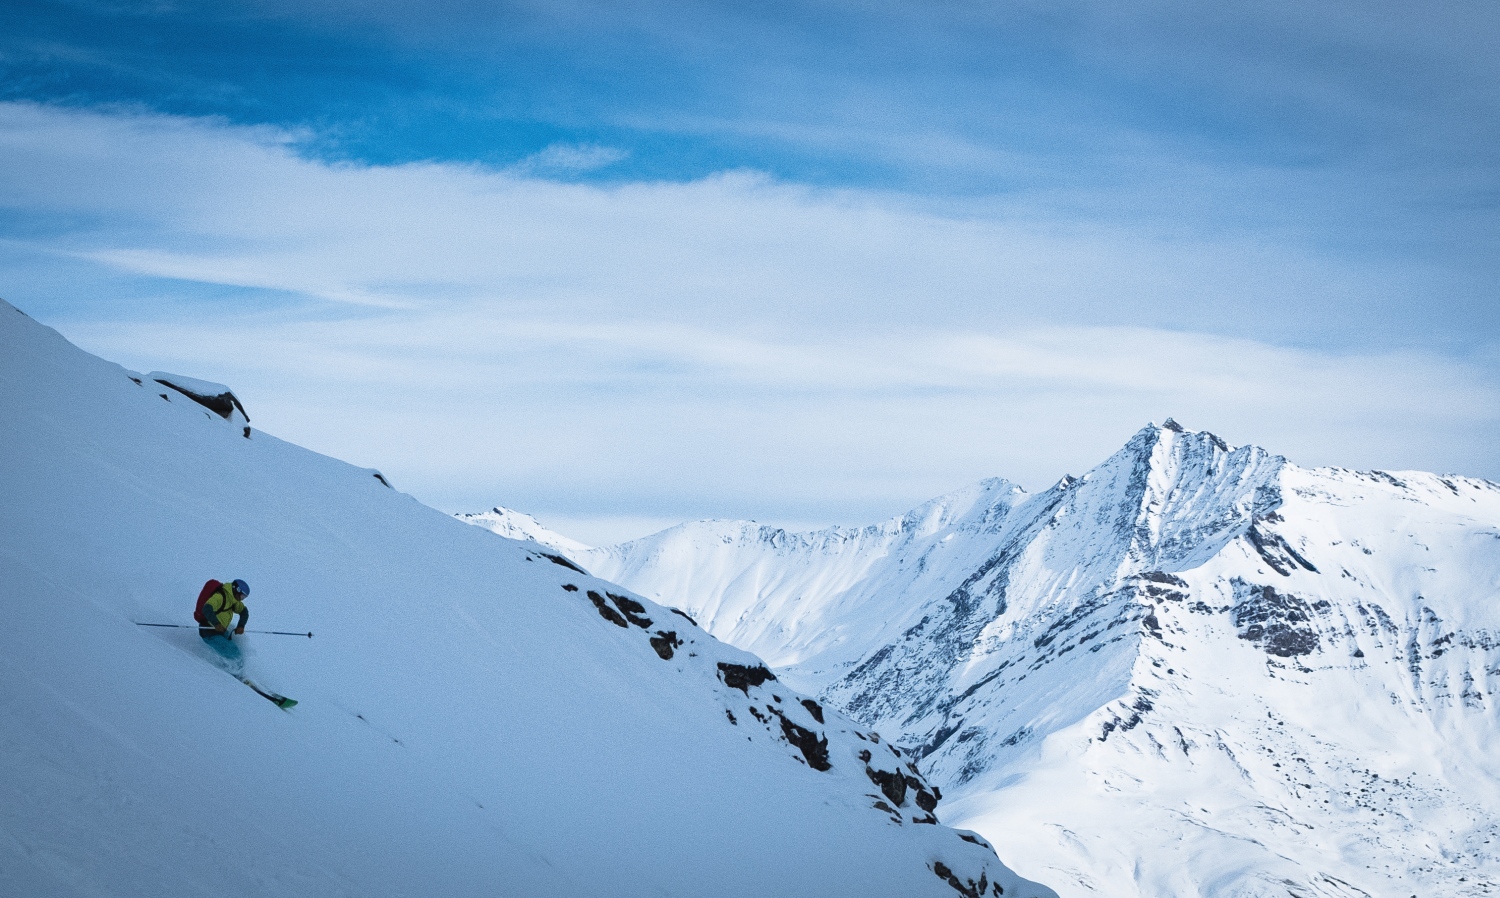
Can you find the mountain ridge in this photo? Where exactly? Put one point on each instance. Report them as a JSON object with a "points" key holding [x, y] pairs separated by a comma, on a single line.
{"points": [[1109, 636]]}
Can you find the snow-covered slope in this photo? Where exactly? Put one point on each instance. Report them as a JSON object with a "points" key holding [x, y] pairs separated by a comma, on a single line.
{"points": [[513, 524], [811, 604], [476, 718], [1196, 670]]}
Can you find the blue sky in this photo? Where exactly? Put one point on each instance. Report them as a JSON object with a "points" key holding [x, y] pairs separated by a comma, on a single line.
{"points": [[625, 264]]}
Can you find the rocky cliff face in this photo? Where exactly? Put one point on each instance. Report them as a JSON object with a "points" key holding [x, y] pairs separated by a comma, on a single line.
{"points": [[1197, 669]]}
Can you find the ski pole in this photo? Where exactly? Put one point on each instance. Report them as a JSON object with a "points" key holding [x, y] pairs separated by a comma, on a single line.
{"points": [[196, 627]]}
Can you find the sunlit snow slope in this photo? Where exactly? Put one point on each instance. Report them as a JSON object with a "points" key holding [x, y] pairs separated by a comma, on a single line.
{"points": [[518, 525], [1196, 670], [476, 717]]}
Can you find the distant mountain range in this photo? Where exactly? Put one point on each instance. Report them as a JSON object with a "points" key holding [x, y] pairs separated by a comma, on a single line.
{"points": [[1195, 670]]}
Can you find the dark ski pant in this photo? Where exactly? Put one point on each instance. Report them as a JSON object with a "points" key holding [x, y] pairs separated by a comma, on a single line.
{"points": [[229, 658]]}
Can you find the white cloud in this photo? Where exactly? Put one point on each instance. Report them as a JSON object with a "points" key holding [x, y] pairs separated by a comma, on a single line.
{"points": [[198, 201], [563, 158], [730, 346]]}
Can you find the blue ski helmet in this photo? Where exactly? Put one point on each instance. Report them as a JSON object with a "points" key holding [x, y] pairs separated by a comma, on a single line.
{"points": [[241, 588]]}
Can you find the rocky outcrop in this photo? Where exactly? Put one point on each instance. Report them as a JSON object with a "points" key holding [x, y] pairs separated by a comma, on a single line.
{"points": [[217, 398], [816, 737]]}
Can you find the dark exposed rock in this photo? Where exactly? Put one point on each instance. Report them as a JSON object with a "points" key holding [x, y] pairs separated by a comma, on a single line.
{"points": [[814, 749], [942, 734], [378, 476], [742, 676], [926, 800], [892, 785], [1141, 706], [1276, 552], [730, 714], [634, 611], [626, 603], [1158, 586], [1069, 621], [222, 404], [605, 611], [925, 818], [970, 889], [570, 587], [1016, 737], [1280, 623], [864, 755], [1162, 577], [664, 643], [684, 614], [558, 559], [813, 708]]}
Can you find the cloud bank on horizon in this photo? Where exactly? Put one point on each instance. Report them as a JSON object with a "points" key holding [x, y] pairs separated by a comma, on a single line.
{"points": [[807, 263]]}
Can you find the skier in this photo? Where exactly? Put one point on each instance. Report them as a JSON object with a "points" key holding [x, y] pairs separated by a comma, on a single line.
{"points": [[218, 603]]}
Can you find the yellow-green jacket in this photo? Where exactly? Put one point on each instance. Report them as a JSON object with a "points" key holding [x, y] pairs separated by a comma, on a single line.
{"points": [[222, 606]]}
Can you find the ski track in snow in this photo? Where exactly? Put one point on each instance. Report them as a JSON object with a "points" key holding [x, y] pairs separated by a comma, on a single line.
{"points": [[476, 717], [1195, 670]]}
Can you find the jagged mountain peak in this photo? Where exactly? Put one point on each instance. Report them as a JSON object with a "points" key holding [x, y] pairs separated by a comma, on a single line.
{"points": [[1170, 445], [1209, 665], [1167, 497], [1173, 495]]}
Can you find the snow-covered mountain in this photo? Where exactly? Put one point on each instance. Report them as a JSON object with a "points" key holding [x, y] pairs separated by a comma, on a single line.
{"points": [[477, 716], [518, 525], [1195, 670]]}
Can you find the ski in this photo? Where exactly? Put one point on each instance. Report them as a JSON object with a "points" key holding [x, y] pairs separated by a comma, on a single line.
{"points": [[280, 701]]}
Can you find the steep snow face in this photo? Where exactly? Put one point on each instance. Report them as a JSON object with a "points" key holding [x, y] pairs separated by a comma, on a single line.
{"points": [[476, 717], [513, 524], [1313, 710], [1195, 670]]}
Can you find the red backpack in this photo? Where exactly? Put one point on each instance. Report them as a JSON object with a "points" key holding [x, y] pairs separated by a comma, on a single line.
{"points": [[209, 589]]}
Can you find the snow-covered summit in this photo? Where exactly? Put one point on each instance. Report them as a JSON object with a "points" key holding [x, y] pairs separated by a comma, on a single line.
{"points": [[1195, 669], [513, 524], [476, 717]]}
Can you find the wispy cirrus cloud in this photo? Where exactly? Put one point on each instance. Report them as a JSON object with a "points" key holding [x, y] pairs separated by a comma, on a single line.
{"points": [[568, 159], [734, 345], [245, 209]]}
